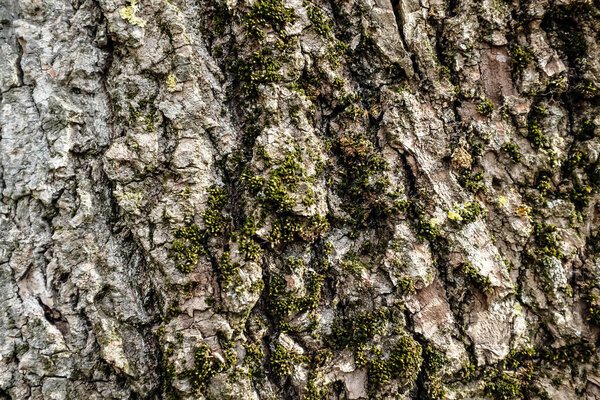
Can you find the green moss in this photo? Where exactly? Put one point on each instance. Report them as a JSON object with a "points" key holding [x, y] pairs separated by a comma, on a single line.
{"points": [[483, 282], [378, 375], [367, 44], [145, 109], [160, 332], [406, 359], [307, 84], [276, 196], [314, 285], [268, 13], [282, 361], [576, 159], [282, 303], [563, 20], [406, 286], [592, 301], [213, 218], [434, 359], [205, 367], [535, 134], [285, 42], [588, 88], [580, 196], [587, 130], [260, 152], [228, 352], [445, 72], [283, 179], [469, 212], [253, 182], [352, 263], [485, 107], [521, 57], [318, 224], [400, 206], [251, 131], [169, 376], [504, 387], [403, 364], [221, 17], [319, 22], [338, 83], [515, 358], [288, 170], [248, 245], [546, 240], [539, 255], [192, 239], [335, 53], [351, 99], [172, 311], [434, 390], [134, 114], [314, 392], [186, 289], [352, 332], [260, 68], [580, 193], [309, 199], [227, 269], [188, 247], [472, 182], [254, 358], [513, 151], [285, 230], [515, 376], [364, 181], [294, 113], [428, 229], [544, 184], [568, 355]]}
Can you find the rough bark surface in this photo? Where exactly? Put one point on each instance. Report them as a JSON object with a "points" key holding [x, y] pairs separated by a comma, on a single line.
{"points": [[285, 199]]}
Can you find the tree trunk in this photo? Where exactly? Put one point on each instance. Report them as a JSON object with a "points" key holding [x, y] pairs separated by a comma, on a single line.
{"points": [[285, 199]]}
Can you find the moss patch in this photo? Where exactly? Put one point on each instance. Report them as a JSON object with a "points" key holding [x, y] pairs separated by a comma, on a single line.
{"points": [[268, 13]]}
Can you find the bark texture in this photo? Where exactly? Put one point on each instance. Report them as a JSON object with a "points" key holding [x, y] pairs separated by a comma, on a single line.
{"points": [[285, 199]]}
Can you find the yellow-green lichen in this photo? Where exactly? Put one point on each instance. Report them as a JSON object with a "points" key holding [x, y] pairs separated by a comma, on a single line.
{"points": [[171, 83], [454, 216], [502, 201], [128, 14]]}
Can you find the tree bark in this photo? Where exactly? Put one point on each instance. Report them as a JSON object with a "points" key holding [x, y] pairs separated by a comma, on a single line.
{"points": [[285, 199]]}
